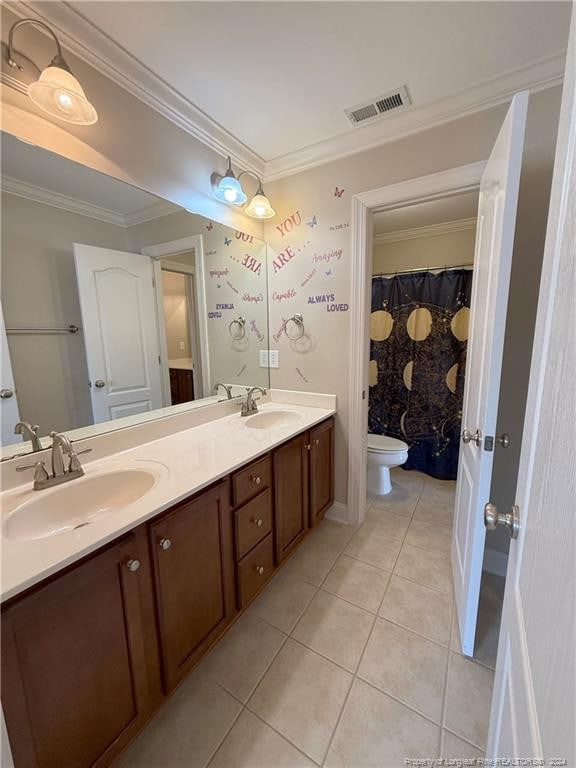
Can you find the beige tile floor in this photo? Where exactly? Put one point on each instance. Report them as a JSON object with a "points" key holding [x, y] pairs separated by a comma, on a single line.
{"points": [[349, 657]]}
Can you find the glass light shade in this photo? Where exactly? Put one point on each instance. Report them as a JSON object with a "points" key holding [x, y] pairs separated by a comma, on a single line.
{"points": [[229, 190], [58, 93], [260, 207]]}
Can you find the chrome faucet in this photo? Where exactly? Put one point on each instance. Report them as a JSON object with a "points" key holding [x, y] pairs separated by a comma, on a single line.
{"points": [[227, 387], [61, 446], [249, 406], [29, 432]]}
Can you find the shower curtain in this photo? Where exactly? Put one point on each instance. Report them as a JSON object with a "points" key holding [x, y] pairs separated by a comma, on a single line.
{"points": [[418, 339]]}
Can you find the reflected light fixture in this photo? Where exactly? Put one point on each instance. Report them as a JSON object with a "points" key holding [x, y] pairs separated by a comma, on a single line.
{"points": [[228, 189], [56, 92]]}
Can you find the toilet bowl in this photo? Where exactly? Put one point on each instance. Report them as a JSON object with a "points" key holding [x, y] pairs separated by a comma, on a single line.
{"points": [[383, 453]]}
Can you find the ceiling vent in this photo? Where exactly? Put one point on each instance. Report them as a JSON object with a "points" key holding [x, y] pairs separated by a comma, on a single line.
{"points": [[393, 101]]}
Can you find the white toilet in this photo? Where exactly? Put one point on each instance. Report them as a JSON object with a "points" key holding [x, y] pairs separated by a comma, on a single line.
{"points": [[383, 453]]}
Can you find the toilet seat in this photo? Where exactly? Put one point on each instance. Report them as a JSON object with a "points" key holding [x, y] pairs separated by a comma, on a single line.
{"points": [[385, 444]]}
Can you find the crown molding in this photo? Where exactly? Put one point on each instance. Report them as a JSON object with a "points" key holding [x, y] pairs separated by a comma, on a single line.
{"points": [[445, 228], [44, 196], [543, 74], [88, 43], [99, 51]]}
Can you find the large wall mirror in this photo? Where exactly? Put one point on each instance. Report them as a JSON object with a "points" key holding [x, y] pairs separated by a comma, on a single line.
{"points": [[117, 306]]}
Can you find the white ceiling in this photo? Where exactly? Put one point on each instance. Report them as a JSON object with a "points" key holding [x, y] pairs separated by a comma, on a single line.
{"points": [[278, 75], [453, 208], [39, 168]]}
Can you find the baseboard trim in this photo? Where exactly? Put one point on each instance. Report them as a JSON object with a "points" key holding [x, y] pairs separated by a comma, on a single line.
{"points": [[495, 562], [338, 512]]}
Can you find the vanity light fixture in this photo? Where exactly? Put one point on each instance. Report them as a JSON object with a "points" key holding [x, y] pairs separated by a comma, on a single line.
{"points": [[56, 92], [228, 189]]}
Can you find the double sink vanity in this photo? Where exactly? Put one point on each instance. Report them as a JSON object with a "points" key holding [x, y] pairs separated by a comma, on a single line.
{"points": [[117, 583]]}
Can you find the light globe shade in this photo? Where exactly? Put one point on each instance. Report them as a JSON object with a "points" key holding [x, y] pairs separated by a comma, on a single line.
{"points": [[58, 93], [260, 207], [229, 190]]}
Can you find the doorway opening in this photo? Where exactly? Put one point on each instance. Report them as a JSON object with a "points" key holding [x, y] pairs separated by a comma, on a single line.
{"points": [[180, 332]]}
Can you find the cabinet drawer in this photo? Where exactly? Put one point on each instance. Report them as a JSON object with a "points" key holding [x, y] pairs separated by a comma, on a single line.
{"points": [[255, 570], [251, 480], [253, 522]]}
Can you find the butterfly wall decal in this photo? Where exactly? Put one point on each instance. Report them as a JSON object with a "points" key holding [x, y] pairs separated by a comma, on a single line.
{"points": [[328, 272], [227, 240], [210, 226], [312, 222], [339, 192]]}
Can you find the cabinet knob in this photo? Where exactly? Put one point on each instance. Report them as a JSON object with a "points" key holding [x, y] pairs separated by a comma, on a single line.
{"points": [[258, 522], [308, 446], [165, 544], [316, 442], [133, 565], [259, 570], [256, 479]]}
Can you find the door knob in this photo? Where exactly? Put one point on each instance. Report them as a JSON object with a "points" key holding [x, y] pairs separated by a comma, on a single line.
{"points": [[99, 383], [6, 394], [510, 520], [468, 437]]}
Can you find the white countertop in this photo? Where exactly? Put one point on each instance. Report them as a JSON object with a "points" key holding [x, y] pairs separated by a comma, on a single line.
{"points": [[183, 463], [182, 363]]}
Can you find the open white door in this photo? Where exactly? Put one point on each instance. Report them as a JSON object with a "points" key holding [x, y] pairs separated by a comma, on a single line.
{"points": [[120, 331], [534, 702], [9, 414], [492, 261]]}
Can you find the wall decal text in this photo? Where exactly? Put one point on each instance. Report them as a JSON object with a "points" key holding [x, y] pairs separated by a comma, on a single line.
{"points": [[254, 328], [278, 335], [283, 295], [323, 298], [252, 264], [288, 224], [335, 227], [334, 255], [308, 277], [214, 315], [241, 371], [218, 272], [244, 237], [229, 284], [299, 372], [337, 308], [250, 298], [283, 258], [224, 306]]}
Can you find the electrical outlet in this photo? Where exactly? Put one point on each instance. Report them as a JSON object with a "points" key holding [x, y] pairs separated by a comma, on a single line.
{"points": [[182, 346], [274, 358], [263, 358]]}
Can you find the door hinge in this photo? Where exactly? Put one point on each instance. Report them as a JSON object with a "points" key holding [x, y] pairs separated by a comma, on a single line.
{"points": [[159, 360], [363, 394], [153, 282]]}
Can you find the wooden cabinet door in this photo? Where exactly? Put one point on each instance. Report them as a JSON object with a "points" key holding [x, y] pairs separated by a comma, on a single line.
{"points": [[74, 686], [291, 494], [194, 579], [321, 470]]}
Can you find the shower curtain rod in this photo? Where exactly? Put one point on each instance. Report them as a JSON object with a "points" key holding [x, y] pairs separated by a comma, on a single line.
{"points": [[421, 269]]}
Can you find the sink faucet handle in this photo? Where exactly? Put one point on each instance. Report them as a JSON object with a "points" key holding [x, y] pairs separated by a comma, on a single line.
{"points": [[75, 465], [39, 468]]}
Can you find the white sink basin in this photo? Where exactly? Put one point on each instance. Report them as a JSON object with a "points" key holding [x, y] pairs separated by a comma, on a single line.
{"points": [[272, 419], [77, 503]]}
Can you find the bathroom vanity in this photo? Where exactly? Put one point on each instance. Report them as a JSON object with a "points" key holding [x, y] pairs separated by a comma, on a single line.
{"points": [[93, 648]]}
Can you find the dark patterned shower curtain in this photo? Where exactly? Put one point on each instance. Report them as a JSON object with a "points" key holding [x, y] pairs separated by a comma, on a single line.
{"points": [[418, 339]]}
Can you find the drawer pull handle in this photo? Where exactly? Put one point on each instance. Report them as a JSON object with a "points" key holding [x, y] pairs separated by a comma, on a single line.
{"points": [[133, 565], [258, 522], [259, 570], [165, 544], [256, 479]]}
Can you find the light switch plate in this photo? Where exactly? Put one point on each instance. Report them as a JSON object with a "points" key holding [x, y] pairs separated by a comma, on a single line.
{"points": [[274, 358], [263, 358]]}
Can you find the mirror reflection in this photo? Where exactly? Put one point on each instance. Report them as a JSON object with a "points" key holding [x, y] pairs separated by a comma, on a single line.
{"points": [[117, 306]]}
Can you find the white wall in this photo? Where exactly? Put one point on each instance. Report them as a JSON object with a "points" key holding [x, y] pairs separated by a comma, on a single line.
{"points": [[316, 259], [436, 251]]}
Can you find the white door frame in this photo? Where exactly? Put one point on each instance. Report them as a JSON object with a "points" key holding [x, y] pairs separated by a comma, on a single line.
{"points": [[455, 181], [160, 252]]}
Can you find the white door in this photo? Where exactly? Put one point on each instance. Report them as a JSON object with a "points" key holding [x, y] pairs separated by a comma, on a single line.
{"points": [[534, 703], [120, 331], [492, 262], [9, 414]]}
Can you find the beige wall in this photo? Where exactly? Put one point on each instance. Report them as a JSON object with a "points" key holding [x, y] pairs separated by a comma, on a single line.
{"points": [[176, 315], [130, 141], [39, 289], [436, 251], [319, 266]]}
